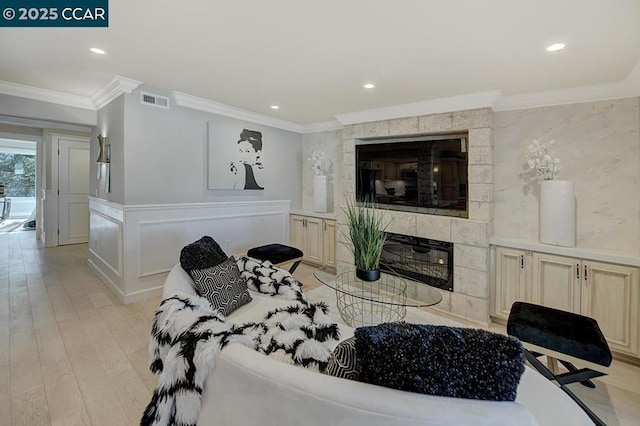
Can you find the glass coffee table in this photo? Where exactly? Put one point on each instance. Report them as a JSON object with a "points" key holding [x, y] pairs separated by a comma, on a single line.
{"points": [[363, 303]]}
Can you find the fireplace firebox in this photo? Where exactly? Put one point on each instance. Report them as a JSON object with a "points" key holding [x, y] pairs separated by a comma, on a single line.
{"points": [[419, 259]]}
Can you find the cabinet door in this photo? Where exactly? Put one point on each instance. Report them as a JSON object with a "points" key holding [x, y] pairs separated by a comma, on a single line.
{"points": [[297, 232], [509, 281], [313, 240], [610, 296], [329, 243], [556, 282], [390, 171]]}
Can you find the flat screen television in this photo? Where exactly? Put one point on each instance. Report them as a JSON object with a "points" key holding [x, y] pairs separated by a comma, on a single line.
{"points": [[426, 174]]}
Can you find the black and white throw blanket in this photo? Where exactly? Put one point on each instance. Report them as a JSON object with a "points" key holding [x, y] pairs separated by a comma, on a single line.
{"points": [[187, 335], [265, 278]]}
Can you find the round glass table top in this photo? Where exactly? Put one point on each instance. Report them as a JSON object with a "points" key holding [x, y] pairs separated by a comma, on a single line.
{"points": [[428, 296]]}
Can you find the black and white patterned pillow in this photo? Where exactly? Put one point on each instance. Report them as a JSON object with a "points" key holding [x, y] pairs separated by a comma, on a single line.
{"points": [[222, 285], [344, 362]]}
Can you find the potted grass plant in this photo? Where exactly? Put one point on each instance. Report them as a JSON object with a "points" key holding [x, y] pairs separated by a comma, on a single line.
{"points": [[366, 236]]}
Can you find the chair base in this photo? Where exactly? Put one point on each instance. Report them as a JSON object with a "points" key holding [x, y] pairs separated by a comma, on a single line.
{"points": [[582, 375]]}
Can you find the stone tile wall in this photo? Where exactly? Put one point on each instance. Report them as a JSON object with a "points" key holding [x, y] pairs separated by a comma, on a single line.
{"points": [[470, 298]]}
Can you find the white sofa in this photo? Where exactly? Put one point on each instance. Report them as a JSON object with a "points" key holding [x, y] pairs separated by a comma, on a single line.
{"points": [[248, 388]]}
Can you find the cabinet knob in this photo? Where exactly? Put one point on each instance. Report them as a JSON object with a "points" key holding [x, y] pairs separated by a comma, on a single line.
{"points": [[577, 271], [585, 273]]}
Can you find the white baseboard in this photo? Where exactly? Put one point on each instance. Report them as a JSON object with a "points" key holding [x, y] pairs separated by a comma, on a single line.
{"points": [[105, 279], [147, 293]]}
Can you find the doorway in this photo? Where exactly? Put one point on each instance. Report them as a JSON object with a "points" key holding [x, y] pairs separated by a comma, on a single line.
{"points": [[18, 169], [66, 202]]}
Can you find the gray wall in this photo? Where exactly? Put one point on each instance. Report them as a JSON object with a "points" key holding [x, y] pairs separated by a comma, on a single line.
{"points": [[111, 123], [38, 110], [159, 156], [598, 144]]}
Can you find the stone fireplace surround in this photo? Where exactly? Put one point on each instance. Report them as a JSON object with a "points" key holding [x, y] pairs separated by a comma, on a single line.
{"points": [[470, 298]]}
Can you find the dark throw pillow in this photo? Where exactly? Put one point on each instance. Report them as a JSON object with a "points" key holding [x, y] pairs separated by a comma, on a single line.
{"points": [[202, 254], [438, 360], [344, 362], [223, 286]]}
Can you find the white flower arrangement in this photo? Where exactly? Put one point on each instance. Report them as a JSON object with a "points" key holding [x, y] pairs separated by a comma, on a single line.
{"points": [[541, 159], [320, 164]]}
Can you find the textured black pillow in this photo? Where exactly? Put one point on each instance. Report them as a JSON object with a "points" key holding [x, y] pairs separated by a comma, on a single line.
{"points": [[344, 362], [438, 360], [202, 254], [223, 286]]}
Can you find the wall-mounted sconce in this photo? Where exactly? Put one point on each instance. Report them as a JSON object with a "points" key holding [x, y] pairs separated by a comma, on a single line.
{"points": [[103, 160], [102, 141], [107, 168]]}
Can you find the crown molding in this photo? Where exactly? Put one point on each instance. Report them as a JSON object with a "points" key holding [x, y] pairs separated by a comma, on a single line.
{"points": [[432, 106], [206, 105], [322, 126], [52, 125], [45, 95], [115, 87], [600, 92]]}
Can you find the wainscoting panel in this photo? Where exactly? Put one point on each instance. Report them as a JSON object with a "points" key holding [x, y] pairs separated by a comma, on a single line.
{"points": [[153, 235], [161, 241], [105, 244], [106, 241]]}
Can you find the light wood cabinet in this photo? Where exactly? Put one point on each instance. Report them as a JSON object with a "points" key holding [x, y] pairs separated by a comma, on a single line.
{"points": [[609, 293], [315, 237], [329, 239], [555, 283], [510, 280]]}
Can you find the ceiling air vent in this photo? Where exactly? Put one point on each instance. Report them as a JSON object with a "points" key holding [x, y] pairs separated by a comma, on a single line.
{"points": [[154, 100]]}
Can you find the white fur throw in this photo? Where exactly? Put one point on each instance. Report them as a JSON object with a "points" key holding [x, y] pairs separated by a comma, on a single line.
{"points": [[187, 335], [265, 278]]}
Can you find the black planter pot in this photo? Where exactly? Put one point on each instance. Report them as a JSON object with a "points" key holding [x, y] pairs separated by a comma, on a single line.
{"points": [[368, 275]]}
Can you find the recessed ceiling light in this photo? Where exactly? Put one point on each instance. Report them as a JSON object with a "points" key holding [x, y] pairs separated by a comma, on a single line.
{"points": [[98, 51], [369, 86], [275, 107], [555, 47]]}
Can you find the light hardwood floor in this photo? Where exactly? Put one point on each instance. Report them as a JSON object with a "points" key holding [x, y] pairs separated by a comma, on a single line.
{"points": [[72, 354]]}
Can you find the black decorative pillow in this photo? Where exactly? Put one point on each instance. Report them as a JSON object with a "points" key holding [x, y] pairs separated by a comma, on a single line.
{"points": [[438, 360], [344, 362], [223, 286], [202, 254]]}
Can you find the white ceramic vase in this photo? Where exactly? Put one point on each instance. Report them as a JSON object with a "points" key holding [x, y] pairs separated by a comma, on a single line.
{"points": [[558, 213], [320, 203]]}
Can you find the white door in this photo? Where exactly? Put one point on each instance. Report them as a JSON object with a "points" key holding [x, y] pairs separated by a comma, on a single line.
{"points": [[73, 185]]}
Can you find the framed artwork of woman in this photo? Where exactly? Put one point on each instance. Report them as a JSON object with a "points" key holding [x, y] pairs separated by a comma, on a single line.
{"points": [[249, 165], [235, 162]]}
